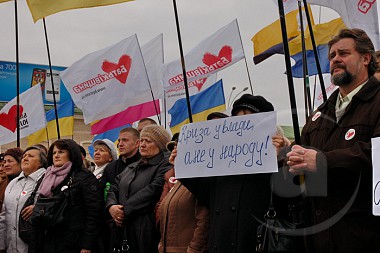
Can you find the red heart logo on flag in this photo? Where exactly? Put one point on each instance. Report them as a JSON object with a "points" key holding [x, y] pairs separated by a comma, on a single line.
{"points": [[198, 83], [9, 120], [210, 59], [120, 70]]}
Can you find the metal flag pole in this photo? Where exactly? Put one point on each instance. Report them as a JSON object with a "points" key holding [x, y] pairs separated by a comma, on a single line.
{"points": [[292, 95], [321, 81], [52, 81], [17, 78], [245, 59], [150, 86], [304, 65], [183, 63]]}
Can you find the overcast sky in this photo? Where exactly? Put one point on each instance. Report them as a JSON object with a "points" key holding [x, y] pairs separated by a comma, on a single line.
{"points": [[75, 33]]}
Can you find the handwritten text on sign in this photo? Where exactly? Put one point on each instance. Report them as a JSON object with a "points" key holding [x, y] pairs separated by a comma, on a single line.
{"points": [[376, 176], [230, 146]]}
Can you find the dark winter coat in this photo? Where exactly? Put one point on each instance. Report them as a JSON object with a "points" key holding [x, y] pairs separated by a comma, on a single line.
{"points": [[116, 167], [138, 188], [83, 214], [344, 162], [236, 204]]}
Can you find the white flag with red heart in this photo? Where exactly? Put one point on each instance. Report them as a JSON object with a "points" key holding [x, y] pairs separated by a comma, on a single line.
{"points": [[216, 52], [32, 115], [361, 14], [108, 81]]}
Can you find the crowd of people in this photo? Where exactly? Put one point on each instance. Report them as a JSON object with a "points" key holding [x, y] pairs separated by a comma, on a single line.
{"points": [[129, 199]]}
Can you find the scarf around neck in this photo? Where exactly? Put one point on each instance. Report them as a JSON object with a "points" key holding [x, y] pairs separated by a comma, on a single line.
{"points": [[53, 177]]}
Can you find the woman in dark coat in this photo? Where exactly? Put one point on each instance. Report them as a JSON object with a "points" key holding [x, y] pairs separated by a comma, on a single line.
{"points": [[133, 197], [82, 216]]}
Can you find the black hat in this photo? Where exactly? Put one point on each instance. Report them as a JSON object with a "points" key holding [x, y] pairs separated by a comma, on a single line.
{"points": [[216, 115], [254, 103]]}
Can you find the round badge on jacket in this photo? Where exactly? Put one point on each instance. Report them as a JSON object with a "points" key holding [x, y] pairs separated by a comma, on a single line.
{"points": [[350, 134], [173, 180]]}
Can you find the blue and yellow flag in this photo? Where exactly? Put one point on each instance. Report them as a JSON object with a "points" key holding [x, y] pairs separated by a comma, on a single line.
{"points": [[65, 121], [322, 34], [268, 41], [297, 68], [43, 8], [202, 104]]}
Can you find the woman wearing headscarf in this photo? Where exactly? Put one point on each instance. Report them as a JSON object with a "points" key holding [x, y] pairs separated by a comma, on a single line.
{"points": [[33, 166], [82, 216], [133, 197], [11, 169]]}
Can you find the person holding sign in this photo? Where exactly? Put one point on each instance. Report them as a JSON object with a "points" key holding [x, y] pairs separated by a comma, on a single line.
{"points": [[237, 203], [336, 150]]}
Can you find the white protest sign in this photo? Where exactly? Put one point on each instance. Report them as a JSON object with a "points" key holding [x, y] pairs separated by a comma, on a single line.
{"points": [[230, 146], [376, 176]]}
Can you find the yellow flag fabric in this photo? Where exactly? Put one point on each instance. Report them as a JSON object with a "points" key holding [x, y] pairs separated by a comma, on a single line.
{"points": [[43, 8], [271, 35], [65, 120], [322, 34], [3, 1], [66, 126], [202, 116]]}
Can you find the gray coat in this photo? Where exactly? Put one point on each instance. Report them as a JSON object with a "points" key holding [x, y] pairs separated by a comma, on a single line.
{"points": [[138, 188]]}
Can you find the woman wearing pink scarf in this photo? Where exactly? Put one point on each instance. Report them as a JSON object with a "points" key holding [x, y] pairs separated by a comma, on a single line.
{"points": [[82, 216]]}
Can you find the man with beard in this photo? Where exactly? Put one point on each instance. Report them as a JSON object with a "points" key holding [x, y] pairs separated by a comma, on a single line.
{"points": [[336, 151]]}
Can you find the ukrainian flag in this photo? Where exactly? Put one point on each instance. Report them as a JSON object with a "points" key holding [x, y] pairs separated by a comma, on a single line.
{"points": [[323, 34], [202, 104], [65, 121]]}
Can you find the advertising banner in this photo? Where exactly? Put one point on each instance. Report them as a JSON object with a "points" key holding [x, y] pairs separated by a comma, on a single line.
{"points": [[30, 75]]}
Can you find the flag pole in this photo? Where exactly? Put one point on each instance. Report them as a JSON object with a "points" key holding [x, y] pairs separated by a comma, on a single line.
{"points": [[183, 63], [150, 86], [321, 81], [297, 136], [17, 78], [292, 96], [306, 83], [245, 59], [52, 81], [164, 103]]}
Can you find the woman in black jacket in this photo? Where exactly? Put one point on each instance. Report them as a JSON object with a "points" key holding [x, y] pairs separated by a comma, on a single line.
{"points": [[133, 197], [83, 213]]}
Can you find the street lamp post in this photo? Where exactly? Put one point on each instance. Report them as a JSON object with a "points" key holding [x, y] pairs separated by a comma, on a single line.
{"points": [[229, 98], [243, 90]]}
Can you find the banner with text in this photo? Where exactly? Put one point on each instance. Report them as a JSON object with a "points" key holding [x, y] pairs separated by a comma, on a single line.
{"points": [[31, 114], [230, 146], [108, 81], [30, 75], [376, 176], [216, 52]]}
